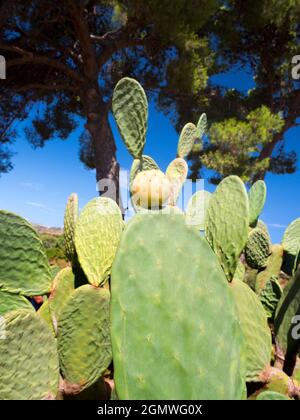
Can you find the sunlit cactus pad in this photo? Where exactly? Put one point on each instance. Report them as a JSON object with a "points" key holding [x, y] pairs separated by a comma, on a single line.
{"points": [[61, 289], [12, 302], [29, 361], [257, 249], [97, 234], [130, 108], [291, 238], [24, 267], [167, 293], [84, 337], [227, 220], [196, 209], [187, 139], [257, 199], [71, 214]]}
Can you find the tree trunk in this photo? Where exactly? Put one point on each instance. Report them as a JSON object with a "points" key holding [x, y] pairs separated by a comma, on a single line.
{"points": [[107, 167]]}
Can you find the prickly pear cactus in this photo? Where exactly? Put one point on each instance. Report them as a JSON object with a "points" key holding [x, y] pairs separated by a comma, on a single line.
{"points": [[71, 214], [83, 338], [278, 381], [257, 249], [261, 225], [24, 267], [201, 125], [150, 189], [97, 234], [227, 220], [61, 289], [151, 306], [186, 140], [146, 163], [272, 269], [271, 395], [44, 312], [286, 317], [176, 173], [240, 272], [29, 370], [256, 331], [270, 296], [197, 208], [257, 199], [291, 238], [10, 302], [130, 108]]}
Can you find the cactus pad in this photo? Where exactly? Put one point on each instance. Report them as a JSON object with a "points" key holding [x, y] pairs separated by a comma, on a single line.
{"points": [[257, 249], [146, 163], [201, 125], [97, 234], [29, 370], [166, 283], [71, 214], [83, 337], [291, 238], [150, 189], [287, 309], [186, 140], [256, 331], [176, 172], [24, 267], [227, 220], [272, 269], [270, 296], [61, 289], [257, 199], [197, 208], [10, 302], [271, 395], [130, 108]]}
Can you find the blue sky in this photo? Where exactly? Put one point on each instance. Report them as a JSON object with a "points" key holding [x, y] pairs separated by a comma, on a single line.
{"points": [[42, 179]]}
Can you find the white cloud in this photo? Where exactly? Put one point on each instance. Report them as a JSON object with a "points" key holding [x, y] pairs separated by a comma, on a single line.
{"points": [[277, 225], [40, 205]]}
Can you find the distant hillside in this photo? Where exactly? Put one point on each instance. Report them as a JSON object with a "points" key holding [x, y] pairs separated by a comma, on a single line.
{"points": [[54, 231]]}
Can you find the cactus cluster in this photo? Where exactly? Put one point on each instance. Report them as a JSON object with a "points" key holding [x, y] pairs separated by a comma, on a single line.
{"points": [[170, 305]]}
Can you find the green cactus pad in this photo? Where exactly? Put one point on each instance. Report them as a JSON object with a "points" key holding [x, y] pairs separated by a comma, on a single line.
{"points": [[186, 140], [10, 302], [201, 126], [71, 214], [44, 312], [61, 289], [84, 338], [97, 234], [197, 208], [272, 269], [270, 296], [288, 309], [254, 324], [257, 249], [240, 271], [24, 267], [227, 220], [257, 199], [169, 340], [278, 381], [291, 238], [261, 225], [176, 173], [130, 108], [29, 370], [271, 395]]}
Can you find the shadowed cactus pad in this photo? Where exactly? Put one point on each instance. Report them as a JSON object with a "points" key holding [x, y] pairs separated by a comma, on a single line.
{"points": [[270, 296], [272, 269], [10, 302], [97, 234], [257, 199], [176, 172], [254, 324], [29, 370], [291, 238], [150, 189], [61, 289], [166, 283], [84, 337], [197, 208], [24, 266], [71, 214], [186, 140], [130, 108], [257, 249], [227, 220]]}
